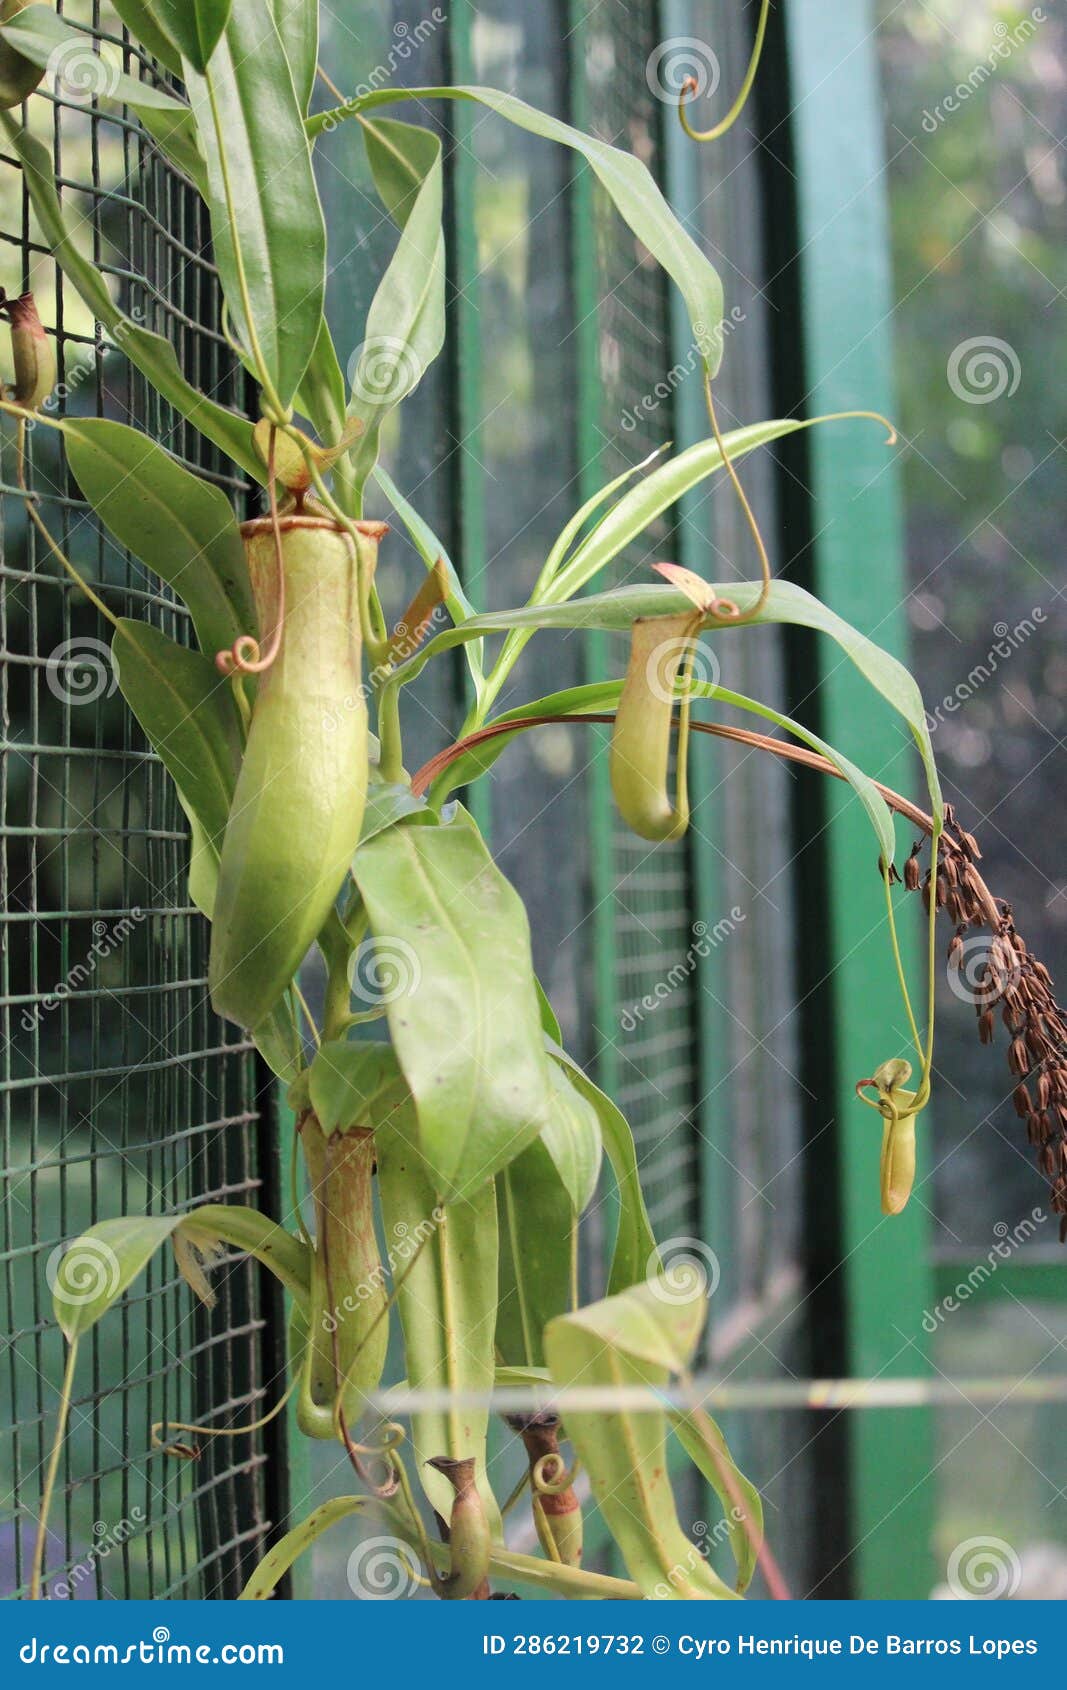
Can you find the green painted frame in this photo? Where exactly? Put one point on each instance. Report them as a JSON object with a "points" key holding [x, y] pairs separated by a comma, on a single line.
{"points": [[846, 351]]}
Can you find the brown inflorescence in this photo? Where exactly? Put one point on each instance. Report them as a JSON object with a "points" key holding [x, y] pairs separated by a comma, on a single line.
{"points": [[1013, 981]]}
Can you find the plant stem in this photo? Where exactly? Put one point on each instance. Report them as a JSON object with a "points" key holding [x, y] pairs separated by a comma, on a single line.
{"points": [[66, 1391]]}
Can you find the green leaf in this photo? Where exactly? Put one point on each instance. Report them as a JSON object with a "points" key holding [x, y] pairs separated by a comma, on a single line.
{"points": [[177, 524], [405, 326], [176, 134], [538, 1243], [345, 1079], [188, 716], [431, 550], [298, 26], [49, 42], [288, 1549], [708, 1450], [322, 389], [90, 1275], [786, 603], [138, 16], [269, 234], [389, 802], [447, 1296], [603, 696], [572, 1139], [635, 1340], [194, 26], [549, 1021], [636, 1254], [464, 1016], [630, 185], [151, 353]]}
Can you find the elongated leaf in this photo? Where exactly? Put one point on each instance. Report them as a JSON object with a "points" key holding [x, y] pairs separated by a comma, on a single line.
{"points": [[447, 1297], [269, 234], [786, 603], [630, 185], [151, 353], [538, 1241], [322, 389], [405, 326], [177, 524], [91, 1273], [194, 26], [637, 1339], [139, 18], [463, 1014], [187, 713], [549, 1021], [708, 1450], [288, 1550], [52, 44], [572, 1139], [603, 696], [298, 26], [635, 1255]]}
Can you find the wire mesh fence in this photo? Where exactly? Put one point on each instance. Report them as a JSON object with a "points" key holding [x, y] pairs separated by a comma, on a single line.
{"points": [[121, 1092]]}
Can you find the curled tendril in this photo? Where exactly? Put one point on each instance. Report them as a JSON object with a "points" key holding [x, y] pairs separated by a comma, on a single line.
{"points": [[245, 656], [691, 86], [542, 1484]]}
